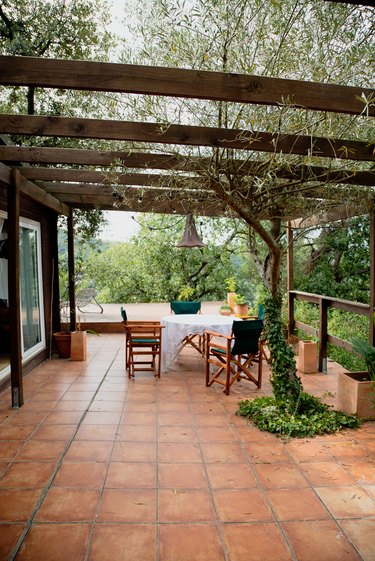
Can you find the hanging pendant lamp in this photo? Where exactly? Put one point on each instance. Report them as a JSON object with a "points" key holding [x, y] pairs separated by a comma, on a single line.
{"points": [[190, 237]]}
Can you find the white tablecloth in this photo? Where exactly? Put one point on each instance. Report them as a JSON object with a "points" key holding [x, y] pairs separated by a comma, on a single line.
{"points": [[178, 326]]}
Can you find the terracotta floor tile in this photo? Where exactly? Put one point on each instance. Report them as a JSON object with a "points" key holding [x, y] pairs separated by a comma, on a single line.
{"points": [[179, 452], [63, 417], [175, 419], [110, 396], [19, 417], [361, 471], [89, 451], [18, 432], [133, 542], [144, 419], [69, 405], [106, 406], [296, 504], [16, 506], [172, 407], [128, 505], [242, 505], [139, 433], [102, 418], [9, 534], [9, 449], [347, 449], [188, 542], [223, 452], [69, 505], [48, 396], [54, 432], [182, 476], [249, 433], [97, 432], [87, 475], [230, 476], [177, 434], [134, 452], [59, 542], [256, 542], [361, 533], [39, 406], [131, 475], [135, 406], [320, 540], [42, 450], [78, 396], [267, 452], [308, 451], [181, 505], [216, 434], [325, 473], [279, 475], [207, 408], [25, 475], [211, 420], [347, 501]]}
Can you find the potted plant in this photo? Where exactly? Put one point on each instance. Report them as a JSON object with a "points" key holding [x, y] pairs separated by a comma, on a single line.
{"points": [[231, 284], [62, 341], [355, 391], [241, 307], [225, 309]]}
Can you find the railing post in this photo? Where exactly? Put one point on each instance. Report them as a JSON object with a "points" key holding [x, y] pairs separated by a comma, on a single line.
{"points": [[290, 279], [71, 272], [372, 277], [323, 334]]}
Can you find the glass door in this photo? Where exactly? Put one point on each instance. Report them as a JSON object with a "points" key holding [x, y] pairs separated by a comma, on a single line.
{"points": [[31, 291]]}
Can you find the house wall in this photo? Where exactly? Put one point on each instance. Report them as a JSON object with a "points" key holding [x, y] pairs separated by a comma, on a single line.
{"points": [[48, 223]]}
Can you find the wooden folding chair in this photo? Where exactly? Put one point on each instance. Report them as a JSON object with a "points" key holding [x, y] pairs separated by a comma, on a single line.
{"points": [[144, 341], [129, 323], [189, 307], [229, 358]]}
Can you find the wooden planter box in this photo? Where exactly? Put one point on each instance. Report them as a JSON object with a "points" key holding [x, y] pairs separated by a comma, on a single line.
{"points": [[78, 345], [356, 394], [308, 357]]}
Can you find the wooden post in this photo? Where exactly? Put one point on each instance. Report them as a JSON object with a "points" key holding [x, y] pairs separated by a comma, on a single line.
{"points": [[290, 279], [323, 334], [71, 273], [372, 276], [14, 290]]}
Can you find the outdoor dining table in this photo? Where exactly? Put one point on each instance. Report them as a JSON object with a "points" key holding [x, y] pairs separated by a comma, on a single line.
{"points": [[177, 327]]}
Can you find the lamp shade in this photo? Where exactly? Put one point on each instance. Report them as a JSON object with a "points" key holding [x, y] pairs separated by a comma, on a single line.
{"points": [[190, 237]]}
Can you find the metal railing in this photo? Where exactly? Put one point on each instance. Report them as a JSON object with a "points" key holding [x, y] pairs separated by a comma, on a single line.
{"points": [[323, 302]]}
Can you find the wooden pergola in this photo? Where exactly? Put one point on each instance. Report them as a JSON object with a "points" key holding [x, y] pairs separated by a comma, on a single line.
{"points": [[53, 176]]}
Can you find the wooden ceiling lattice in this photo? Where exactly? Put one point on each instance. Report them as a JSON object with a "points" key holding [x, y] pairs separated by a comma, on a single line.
{"points": [[180, 184]]}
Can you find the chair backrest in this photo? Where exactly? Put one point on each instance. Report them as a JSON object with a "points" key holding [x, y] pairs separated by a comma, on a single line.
{"points": [[185, 307], [246, 336], [84, 297], [123, 315], [260, 311]]}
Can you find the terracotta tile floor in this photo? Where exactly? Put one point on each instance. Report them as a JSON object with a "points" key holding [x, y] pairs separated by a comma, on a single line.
{"points": [[97, 468]]}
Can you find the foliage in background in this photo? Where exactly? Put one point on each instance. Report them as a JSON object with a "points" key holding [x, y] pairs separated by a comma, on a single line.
{"points": [[150, 268]]}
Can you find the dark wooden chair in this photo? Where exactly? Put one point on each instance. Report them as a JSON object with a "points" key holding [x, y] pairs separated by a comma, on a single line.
{"points": [[189, 307], [229, 358], [130, 333]]}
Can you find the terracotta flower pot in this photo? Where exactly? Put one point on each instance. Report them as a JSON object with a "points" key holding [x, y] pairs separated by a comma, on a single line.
{"points": [[241, 310], [356, 394], [63, 342]]}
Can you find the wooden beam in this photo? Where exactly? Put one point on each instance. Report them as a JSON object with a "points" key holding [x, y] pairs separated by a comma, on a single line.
{"points": [[341, 212], [33, 191], [303, 173], [14, 298], [372, 277], [187, 135], [177, 82]]}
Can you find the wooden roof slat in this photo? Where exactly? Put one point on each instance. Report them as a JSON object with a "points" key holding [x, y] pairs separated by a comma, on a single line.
{"points": [[306, 173], [33, 191], [38, 125], [177, 82]]}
